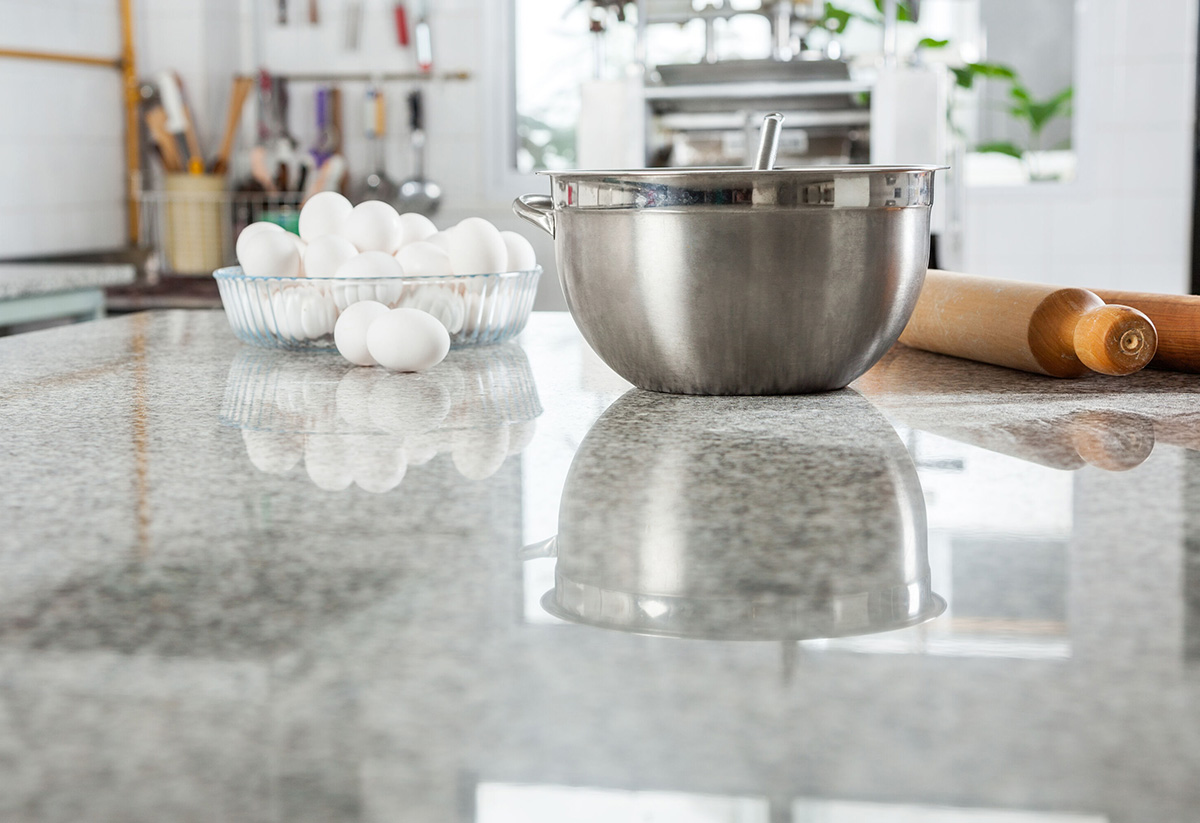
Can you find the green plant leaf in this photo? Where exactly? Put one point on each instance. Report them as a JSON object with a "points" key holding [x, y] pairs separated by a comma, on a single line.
{"points": [[903, 13], [838, 17], [995, 70], [930, 43], [999, 147], [963, 77]]}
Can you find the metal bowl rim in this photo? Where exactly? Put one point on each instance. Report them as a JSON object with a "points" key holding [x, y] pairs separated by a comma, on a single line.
{"points": [[737, 172]]}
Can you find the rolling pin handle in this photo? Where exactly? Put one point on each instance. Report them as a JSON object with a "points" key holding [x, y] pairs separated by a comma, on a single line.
{"points": [[1115, 340]]}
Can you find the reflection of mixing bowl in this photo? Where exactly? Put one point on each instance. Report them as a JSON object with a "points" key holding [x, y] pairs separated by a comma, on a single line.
{"points": [[367, 426], [764, 518]]}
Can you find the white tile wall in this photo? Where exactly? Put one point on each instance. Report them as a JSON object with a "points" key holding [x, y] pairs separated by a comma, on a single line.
{"points": [[1125, 222], [62, 184]]}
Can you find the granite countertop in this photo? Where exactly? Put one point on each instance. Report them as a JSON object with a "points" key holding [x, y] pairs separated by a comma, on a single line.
{"points": [[245, 585], [27, 279]]}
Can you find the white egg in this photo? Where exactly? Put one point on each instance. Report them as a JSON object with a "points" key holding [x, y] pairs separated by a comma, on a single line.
{"points": [[350, 332], [374, 226], [477, 248], [521, 256], [326, 462], [443, 303], [424, 259], [324, 213], [273, 452], [270, 254], [443, 240], [251, 231], [407, 340], [416, 227], [318, 314], [325, 254], [301, 248], [408, 404], [476, 314], [370, 264], [479, 453]]}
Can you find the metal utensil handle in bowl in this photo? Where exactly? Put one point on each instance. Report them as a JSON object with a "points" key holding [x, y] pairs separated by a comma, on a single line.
{"points": [[538, 209], [768, 143]]}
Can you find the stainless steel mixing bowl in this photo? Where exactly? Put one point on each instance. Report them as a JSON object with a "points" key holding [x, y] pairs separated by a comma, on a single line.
{"points": [[736, 281]]}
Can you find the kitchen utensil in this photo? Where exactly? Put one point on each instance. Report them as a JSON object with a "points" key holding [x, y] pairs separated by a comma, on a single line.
{"points": [[739, 281], [813, 526], [353, 24], [314, 13], [179, 119], [401, 15], [1176, 318], [237, 101], [376, 186], [768, 145], [476, 308], [1036, 328], [424, 43], [416, 193], [328, 140], [168, 148]]}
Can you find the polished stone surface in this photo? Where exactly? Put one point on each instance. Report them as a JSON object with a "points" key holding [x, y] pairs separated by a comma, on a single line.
{"points": [[27, 279], [242, 585]]}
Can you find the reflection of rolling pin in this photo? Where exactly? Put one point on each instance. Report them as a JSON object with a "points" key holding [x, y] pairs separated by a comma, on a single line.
{"points": [[1177, 319], [1043, 329]]}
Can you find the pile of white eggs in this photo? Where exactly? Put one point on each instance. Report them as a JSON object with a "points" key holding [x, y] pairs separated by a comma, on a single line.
{"points": [[401, 326]]}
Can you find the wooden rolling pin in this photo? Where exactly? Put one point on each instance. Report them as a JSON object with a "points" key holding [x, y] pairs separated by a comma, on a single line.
{"points": [[1042, 329], [1176, 317]]}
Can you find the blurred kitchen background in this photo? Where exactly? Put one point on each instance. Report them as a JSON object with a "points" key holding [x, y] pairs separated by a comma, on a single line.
{"points": [[1069, 124]]}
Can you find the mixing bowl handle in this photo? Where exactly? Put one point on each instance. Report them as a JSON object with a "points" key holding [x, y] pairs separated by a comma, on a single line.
{"points": [[538, 209]]}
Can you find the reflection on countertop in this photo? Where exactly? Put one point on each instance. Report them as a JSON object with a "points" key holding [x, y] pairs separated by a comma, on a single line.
{"points": [[1105, 422], [742, 518], [367, 427], [184, 635]]}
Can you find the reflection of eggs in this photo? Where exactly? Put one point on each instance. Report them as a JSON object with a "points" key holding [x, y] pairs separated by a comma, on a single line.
{"points": [[325, 461], [374, 225], [324, 213], [376, 461], [408, 404], [350, 332], [477, 248], [353, 394], [479, 453], [407, 340], [273, 452], [520, 435], [270, 254]]}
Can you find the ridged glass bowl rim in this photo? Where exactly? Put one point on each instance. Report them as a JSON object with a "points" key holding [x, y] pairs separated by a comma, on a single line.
{"points": [[235, 273]]}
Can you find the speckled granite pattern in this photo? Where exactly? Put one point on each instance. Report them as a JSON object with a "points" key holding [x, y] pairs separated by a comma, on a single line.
{"points": [[247, 586], [27, 279]]}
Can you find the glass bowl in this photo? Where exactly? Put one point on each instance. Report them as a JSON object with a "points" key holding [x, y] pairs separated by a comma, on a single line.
{"points": [[298, 313]]}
